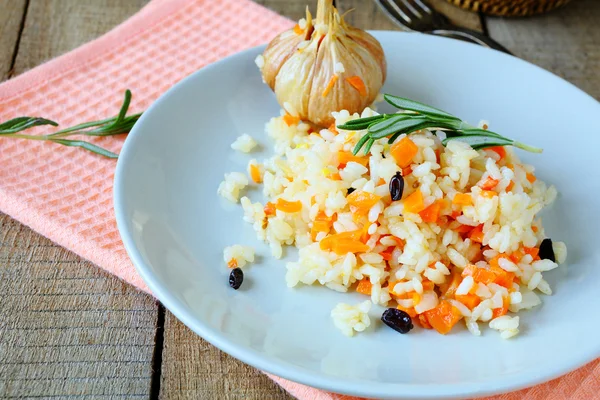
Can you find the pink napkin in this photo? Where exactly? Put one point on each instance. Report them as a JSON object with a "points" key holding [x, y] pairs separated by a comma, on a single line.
{"points": [[66, 193]]}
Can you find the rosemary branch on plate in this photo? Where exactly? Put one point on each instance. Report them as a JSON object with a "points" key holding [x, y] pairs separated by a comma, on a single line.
{"points": [[122, 123], [419, 116]]}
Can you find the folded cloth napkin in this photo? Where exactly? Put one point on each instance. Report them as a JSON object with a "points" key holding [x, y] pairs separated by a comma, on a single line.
{"points": [[66, 193]]}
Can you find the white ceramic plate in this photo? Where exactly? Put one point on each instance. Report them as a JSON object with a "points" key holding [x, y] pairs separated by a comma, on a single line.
{"points": [[174, 227]]}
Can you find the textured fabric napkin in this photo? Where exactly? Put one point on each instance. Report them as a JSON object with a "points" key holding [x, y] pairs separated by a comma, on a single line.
{"points": [[66, 193]]}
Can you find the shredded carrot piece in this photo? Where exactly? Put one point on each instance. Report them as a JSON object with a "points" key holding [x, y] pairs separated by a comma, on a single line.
{"points": [[476, 235], [469, 300], [532, 251], [498, 312], [462, 199], [500, 150], [406, 171], [380, 182], [364, 286], [455, 214], [431, 213], [428, 285], [416, 298], [464, 229], [288, 206], [489, 183], [362, 200], [358, 84], [449, 288], [349, 246], [328, 242], [404, 151], [516, 256], [336, 176], [423, 322], [270, 209], [410, 311], [322, 223], [387, 254], [489, 194], [414, 203], [298, 30], [330, 85], [333, 128], [479, 274], [290, 119], [443, 317], [534, 228], [344, 157], [531, 177], [232, 263], [255, 173], [501, 277], [510, 186]]}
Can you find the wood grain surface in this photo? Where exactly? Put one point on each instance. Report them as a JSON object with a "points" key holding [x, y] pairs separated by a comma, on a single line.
{"points": [[68, 330]]}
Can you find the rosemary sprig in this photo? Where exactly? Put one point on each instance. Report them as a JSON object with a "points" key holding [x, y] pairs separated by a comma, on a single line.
{"points": [[417, 116], [106, 127]]}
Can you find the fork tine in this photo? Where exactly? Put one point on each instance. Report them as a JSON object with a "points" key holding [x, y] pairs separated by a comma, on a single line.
{"points": [[424, 6], [394, 10], [409, 7]]}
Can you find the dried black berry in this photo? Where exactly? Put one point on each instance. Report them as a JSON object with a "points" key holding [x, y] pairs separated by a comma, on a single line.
{"points": [[396, 186], [350, 190], [546, 250], [236, 277], [398, 320]]}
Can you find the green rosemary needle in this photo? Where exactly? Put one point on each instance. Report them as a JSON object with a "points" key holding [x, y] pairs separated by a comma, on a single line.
{"points": [[120, 124], [419, 116]]}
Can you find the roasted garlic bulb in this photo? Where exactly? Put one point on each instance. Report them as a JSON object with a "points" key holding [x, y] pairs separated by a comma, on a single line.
{"points": [[323, 65]]}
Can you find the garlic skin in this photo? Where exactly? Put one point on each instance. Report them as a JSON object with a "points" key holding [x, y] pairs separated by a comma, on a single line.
{"points": [[324, 65]]}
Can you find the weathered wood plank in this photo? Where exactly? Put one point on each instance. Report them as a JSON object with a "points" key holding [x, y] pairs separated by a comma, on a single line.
{"points": [[565, 41], [11, 15], [67, 328], [54, 27], [194, 369], [368, 15]]}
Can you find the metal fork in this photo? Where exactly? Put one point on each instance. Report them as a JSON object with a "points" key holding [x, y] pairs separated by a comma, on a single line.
{"points": [[416, 15]]}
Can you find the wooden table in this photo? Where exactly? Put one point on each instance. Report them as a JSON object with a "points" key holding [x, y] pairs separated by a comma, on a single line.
{"points": [[69, 330]]}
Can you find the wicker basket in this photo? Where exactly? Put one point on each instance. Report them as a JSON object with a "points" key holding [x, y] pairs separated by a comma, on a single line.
{"points": [[509, 8]]}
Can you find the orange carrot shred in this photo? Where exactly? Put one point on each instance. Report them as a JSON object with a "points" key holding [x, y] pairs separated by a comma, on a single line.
{"points": [[330, 85], [364, 286], [431, 213], [255, 173], [531, 177], [414, 203], [500, 150], [469, 300], [232, 263], [406, 171], [290, 119], [443, 317], [510, 186], [423, 321], [532, 251], [489, 194], [489, 183], [298, 30], [362, 200], [404, 151], [462, 199], [344, 157], [534, 228], [333, 128], [288, 206], [498, 312], [358, 84], [476, 235], [270, 209], [410, 311]]}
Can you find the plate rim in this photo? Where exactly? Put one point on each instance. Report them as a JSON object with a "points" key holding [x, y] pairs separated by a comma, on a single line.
{"points": [[291, 372]]}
